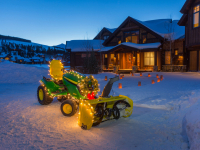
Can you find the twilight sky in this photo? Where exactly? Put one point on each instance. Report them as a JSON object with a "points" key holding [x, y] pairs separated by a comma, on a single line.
{"points": [[52, 22]]}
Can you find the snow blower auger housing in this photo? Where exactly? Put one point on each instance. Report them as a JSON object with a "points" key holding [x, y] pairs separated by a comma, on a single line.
{"points": [[74, 89]]}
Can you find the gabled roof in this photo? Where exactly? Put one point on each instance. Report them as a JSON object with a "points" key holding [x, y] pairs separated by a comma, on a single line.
{"points": [[27, 60], [124, 23], [186, 6], [133, 45], [84, 45], [104, 30], [155, 27], [35, 57], [111, 30]]}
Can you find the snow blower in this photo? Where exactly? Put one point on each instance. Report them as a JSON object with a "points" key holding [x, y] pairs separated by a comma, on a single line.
{"points": [[77, 90]]}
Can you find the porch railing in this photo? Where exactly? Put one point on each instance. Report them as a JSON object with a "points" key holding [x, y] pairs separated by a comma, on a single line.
{"points": [[174, 68]]}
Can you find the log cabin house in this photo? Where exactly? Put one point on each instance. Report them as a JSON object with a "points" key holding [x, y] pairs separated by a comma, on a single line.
{"points": [[134, 46], [191, 20]]}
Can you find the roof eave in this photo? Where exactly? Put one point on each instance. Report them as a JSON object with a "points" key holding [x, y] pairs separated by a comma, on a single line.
{"points": [[183, 20], [186, 6], [101, 32]]}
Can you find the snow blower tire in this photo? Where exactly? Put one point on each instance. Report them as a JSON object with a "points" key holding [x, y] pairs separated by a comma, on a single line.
{"points": [[68, 108], [43, 97], [99, 114]]}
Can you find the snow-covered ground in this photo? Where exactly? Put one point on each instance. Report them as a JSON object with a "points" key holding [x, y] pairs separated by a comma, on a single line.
{"points": [[165, 114]]}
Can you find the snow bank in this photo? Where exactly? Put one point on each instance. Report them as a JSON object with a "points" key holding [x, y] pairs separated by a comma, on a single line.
{"points": [[20, 73], [193, 123]]}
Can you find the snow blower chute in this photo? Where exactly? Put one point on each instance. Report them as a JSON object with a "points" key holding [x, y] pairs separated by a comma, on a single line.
{"points": [[74, 89]]}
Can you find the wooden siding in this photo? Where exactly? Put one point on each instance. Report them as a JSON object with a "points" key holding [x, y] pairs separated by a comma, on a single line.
{"points": [[159, 60], [192, 34], [193, 61], [77, 60]]}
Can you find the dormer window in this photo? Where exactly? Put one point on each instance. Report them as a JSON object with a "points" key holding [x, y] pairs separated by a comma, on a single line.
{"points": [[105, 37], [132, 36], [196, 16]]}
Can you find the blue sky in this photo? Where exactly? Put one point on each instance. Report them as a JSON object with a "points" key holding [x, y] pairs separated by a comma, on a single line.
{"points": [[52, 22]]}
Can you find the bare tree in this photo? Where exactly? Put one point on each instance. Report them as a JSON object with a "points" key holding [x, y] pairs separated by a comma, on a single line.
{"points": [[169, 37]]}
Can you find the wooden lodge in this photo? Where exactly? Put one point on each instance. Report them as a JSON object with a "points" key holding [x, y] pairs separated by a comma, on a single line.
{"points": [[191, 20], [134, 46]]}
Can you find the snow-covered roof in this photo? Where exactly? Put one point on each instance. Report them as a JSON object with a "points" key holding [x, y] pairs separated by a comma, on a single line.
{"points": [[37, 60], [3, 55], [19, 57], [35, 57], [111, 30], [161, 26], [134, 45], [84, 45], [182, 37], [27, 60], [13, 59], [47, 59]]}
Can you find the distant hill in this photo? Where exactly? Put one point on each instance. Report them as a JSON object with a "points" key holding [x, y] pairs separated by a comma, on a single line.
{"points": [[3, 37], [60, 45]]}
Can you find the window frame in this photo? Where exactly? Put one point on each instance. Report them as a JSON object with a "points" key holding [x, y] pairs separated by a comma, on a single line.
{"points": [[130, 32], [193, 13], [175, 52], [119, 41], [149, 58], [105, 37], [144, 34]]}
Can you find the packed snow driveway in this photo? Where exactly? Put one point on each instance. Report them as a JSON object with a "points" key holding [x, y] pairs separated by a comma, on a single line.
{"points": [[158, 120]]}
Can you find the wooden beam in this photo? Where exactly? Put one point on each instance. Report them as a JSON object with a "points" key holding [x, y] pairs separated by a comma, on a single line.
{"points": [[155, 58], [135, 53], [130, 28]]}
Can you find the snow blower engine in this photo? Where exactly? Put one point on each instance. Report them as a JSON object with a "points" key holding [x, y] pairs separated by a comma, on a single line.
{"points": [[76, 90]]}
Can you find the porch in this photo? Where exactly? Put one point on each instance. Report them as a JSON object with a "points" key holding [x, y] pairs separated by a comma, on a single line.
{"points": [[127, 58]]}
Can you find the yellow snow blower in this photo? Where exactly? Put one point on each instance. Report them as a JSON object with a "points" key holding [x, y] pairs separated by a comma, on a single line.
{"points": [[74, 89]]}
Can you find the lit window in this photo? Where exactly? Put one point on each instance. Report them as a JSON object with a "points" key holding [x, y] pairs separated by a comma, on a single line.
{"points": [[144, 38], [119, 42], [128, 39], [176, 52], [180, 57], [148, 58], [167, 57], [106, 56], [132, 36], [112, 58], [138, 59], [196, 16]]}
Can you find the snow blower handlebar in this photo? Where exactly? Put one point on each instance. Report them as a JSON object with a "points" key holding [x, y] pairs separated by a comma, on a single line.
{"points": [[108, 87]]}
